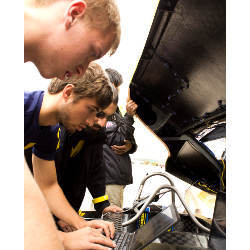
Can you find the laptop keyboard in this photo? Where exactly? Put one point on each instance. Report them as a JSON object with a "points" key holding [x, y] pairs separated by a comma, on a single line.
{"points": [[122, 240], [116, 218]]}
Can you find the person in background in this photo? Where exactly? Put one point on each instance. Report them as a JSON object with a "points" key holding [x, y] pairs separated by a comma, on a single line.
{"points": [[119, 144]]}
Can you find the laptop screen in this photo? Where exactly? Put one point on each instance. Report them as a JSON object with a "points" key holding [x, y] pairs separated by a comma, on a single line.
{"points": [[155, 227]]}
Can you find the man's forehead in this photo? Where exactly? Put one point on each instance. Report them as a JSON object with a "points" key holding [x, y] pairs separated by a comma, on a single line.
{"points": [[108, 113], [91, 102], [104, 45], [96, 107], [110, 110]]}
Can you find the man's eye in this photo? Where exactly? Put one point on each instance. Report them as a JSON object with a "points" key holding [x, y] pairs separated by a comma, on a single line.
{"points": [[101, 115], [91, 109]]}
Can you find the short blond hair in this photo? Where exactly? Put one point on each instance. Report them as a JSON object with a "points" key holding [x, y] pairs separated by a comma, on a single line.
{"points": [[93, 84], [104, 14], [101, 14]]}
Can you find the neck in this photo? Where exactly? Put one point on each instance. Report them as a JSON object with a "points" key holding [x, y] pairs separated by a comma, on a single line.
{"points": [[49, 110]]}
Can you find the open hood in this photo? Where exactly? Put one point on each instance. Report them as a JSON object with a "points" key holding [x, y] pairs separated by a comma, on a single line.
{"points": [[179, 86]]}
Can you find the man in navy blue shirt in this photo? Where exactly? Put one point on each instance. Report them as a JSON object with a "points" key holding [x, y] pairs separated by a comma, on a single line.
{"points": [[43, 139], [73, 103], [79, 164]]}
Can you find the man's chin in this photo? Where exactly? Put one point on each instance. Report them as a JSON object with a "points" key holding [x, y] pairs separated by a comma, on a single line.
{"points": [[94, 131], [47, 74], [73, 130]]}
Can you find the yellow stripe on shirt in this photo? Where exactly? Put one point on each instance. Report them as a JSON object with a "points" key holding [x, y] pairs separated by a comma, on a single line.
{"points": [[75, 150], [58, 137], [29, 145]]}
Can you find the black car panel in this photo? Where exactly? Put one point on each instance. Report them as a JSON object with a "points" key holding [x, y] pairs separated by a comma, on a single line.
{"points": [[179, 84]]}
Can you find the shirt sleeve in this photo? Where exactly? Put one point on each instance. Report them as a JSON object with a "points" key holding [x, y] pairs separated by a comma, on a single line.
{"points": [[48, 143], [97, 185], [130, 121], [126, 127]]}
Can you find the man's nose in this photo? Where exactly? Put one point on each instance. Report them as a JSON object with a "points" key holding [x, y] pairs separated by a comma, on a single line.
{"points": [[91, 120], [102, 122]]}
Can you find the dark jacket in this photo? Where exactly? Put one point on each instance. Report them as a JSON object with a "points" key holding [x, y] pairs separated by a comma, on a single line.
{"points": [[77, 171], [119, 167]]}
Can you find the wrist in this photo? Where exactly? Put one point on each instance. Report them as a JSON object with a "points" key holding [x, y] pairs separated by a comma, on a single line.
{"points": [[79, 222], [65, 239], [129, 114], [61, 236], [105, 210]]}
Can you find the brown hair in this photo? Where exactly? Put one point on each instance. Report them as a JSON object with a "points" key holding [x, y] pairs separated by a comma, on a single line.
{"points": [[115, 93], [104, 14], [94, 83], [100, 14], [114, 76]]}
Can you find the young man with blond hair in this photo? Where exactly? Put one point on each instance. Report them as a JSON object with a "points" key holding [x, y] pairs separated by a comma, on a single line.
{"points": [[61, 37]]}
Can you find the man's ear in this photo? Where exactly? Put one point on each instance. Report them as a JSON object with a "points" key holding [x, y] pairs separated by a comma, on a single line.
{"points": [[76, 9], [67, 92]]}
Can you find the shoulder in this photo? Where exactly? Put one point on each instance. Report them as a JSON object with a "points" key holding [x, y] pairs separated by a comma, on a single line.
{"points": [[32, 105], [32, 100], [51, 132]]}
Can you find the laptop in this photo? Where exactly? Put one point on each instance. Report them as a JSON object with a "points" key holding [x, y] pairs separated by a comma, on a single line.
{"points": [[116, 218], [149, 232]]}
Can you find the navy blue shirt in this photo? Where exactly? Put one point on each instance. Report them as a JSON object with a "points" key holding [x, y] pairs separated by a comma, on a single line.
{"points": [[43, 139]]}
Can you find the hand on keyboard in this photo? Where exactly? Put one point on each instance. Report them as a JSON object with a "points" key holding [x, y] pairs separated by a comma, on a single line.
{"points": [[86, 238], [107, 226], [65, 227], [112, 208], [116, 218]]}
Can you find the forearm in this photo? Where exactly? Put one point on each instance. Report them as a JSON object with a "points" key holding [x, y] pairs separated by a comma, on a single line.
{"points": [[129, 119], [96, 185], [45, 176], [61, 236], [99, 207], [133, 148], [60, 207], [37, 218], [126, 127]]}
